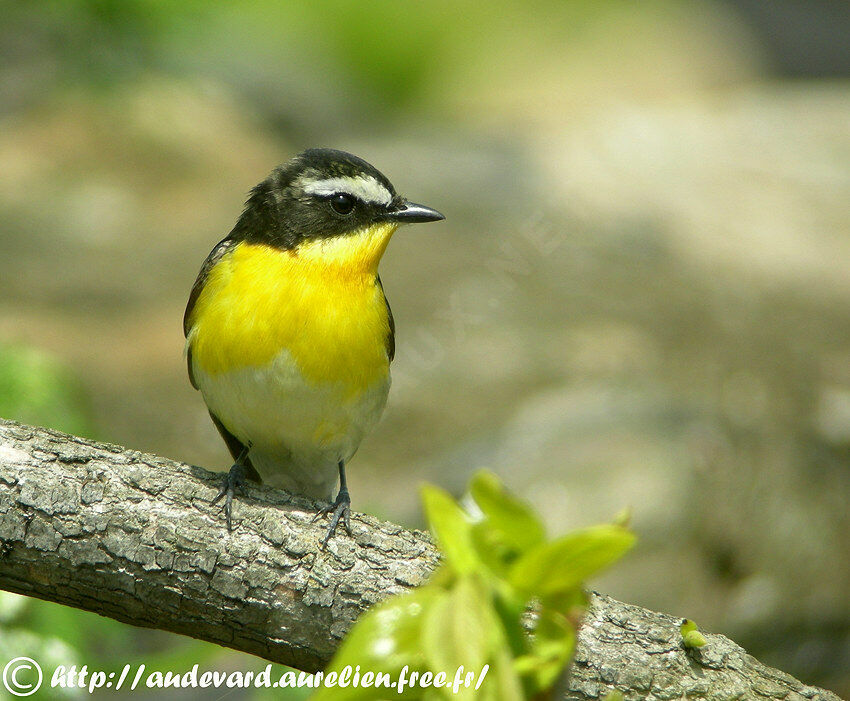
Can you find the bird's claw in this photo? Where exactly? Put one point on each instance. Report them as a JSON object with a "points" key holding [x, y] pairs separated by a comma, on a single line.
{"points": [[341, 511], [233, 480]]}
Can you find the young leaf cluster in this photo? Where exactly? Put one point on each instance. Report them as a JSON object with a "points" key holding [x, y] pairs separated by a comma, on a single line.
{"points": [[506, 599]]}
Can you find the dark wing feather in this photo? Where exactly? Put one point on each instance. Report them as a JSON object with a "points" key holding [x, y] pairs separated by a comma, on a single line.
{"points": [[214, 257], [391, 334], [236, 448]]}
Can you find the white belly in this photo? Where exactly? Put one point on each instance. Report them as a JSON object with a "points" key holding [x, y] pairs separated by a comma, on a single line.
{"points": [[297, 431]]}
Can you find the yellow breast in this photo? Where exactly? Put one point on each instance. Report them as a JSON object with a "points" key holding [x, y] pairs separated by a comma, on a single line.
{"points": [[321, 303]]}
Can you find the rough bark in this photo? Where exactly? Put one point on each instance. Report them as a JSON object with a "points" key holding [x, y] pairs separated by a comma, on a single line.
{"points": [[134, 537]]}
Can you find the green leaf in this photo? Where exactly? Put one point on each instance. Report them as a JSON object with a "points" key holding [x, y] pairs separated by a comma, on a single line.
{"points": [[452, 529], [491, 550], [460, 628], [502, 682], [552, 642], [552, 648], [566, 562], [385, 638], [437, 632], [471, 612], [512, 521]]}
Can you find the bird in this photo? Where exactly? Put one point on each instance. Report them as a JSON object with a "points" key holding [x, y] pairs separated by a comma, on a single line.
{"points": [[289, 335]]}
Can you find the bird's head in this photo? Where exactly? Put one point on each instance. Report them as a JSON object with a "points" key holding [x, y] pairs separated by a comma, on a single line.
{"points": [[328, 203]]}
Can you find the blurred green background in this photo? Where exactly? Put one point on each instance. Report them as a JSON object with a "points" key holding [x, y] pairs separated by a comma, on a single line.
{"points": [[641, 294]]}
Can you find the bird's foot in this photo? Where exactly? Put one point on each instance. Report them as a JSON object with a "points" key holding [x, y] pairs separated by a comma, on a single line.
{"points": [[341, 511], [233, 480]]}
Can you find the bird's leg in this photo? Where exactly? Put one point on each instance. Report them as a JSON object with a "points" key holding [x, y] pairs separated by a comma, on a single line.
{"points": [[233, 480], [341, 508]]}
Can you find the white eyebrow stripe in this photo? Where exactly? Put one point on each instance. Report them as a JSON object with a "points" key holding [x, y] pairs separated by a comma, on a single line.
{"points": [[365, 188]]}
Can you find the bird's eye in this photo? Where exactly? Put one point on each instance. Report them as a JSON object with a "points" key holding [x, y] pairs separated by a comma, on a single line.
{"points": [[342, 203]]}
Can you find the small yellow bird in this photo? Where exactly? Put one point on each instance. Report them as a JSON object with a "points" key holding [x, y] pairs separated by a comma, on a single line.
{"points": [[289, 336]]}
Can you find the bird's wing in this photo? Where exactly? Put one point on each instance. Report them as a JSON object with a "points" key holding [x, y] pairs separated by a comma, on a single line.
{"points": [[222, 247], [391, 334], [237, 450]]}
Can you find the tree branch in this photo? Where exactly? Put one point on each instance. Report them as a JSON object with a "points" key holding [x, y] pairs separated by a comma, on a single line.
{"points": [[134, 537]]}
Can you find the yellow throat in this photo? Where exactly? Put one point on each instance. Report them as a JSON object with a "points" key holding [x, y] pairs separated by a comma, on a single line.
{"points": [[320, 303]]}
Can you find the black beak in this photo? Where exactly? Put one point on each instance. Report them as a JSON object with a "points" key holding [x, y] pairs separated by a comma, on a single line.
{"points": [[412, 213]]}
